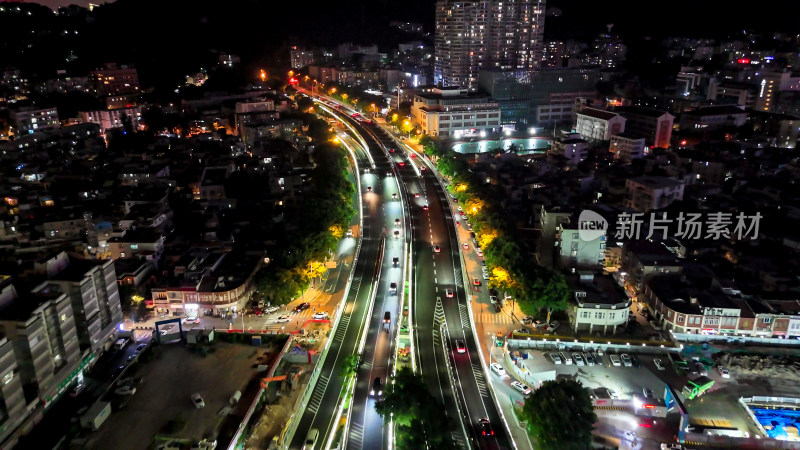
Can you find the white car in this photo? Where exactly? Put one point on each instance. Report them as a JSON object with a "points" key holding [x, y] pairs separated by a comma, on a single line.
{"points": [[525, 390], [125, 390], [566, 357], [283, 319], [578, 359], [322, 315], [556, 358], [191, 320], [498, 369], [198, 401], [271, 310], [723, 372], [615, 360], [659, 365], [448, 293], [626, 360]]}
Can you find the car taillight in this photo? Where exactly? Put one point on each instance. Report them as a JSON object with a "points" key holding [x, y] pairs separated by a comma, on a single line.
{"points": [[484, 433], [492, 432]]}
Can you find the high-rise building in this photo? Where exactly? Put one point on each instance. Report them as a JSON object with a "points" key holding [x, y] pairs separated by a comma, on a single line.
{"points": [[115, 80], [474, 35]]}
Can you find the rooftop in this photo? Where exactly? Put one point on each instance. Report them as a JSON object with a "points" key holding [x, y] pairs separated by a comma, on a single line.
{"points": [[598, 113], [599, 289], [656, 182], [716, 111], [641, 111], [652, 253]]}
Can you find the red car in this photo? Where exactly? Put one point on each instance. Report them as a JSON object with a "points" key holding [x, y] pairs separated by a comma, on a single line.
{"points": [[425, 208], [477, 282], [401, 164], [461, 347]]}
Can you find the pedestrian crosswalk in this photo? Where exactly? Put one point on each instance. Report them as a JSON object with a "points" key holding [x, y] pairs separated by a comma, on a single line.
{"points": [[494, 318], [342, 328], [463, 312], [319, 392], [480, 381], [355, 436], [458, 440]]}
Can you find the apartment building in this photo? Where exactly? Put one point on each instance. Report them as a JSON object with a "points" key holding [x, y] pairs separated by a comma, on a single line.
{"points": [[12, 400], [712, 118], [113, 79], [599, 125], [30, 120], [652, 192], [141, 243], [113, 118], [653, 125], [572, 147], [626, 147]]}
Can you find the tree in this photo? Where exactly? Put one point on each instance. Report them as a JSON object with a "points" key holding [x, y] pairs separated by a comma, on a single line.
{"points": [[351, 365], [416, 414], [560, 416]]}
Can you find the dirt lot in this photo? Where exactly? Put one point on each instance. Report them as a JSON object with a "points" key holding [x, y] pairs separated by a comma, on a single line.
{"points": [[162, 401]]}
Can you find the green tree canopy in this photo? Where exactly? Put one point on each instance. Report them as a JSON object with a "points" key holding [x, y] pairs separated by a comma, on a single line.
{"points": [[560, 416]]}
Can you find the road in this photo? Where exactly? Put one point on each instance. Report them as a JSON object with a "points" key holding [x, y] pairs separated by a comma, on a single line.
{"points": [[320, 412], [434, 272]]}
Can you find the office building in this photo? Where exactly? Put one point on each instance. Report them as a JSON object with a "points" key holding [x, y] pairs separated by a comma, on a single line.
{"points": [[30, 120], [599, 303], [473, 35], [538, 97], [651, 124], [455, 113], [713, 118], [598, 125]]}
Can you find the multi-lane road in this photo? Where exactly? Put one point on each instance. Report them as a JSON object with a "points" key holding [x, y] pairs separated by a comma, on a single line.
{"points": [[457, 380]]}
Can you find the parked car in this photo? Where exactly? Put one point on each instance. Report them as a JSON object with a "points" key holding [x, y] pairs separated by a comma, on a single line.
{"points": [[497, 368], [635, 361], [198, 401], [626, 360], [140, 347], [615, 360], [553, 326], [76, 391], [525, 390], [589, 359], [723, 372], [647, 392], [578, 359], [556, 358], [567, 358], [659, 365]]}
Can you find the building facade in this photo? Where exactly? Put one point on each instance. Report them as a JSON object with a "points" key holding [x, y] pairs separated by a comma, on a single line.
{"points": [[651, 124], [472, 35], [538, 97], [115, 80], [599, 303], [113, 118], [455, 113], [30, 120], [652, 192], [598, 125], [626, 147]]}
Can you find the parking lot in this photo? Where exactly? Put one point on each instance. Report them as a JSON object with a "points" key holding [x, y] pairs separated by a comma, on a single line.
{"points": [[162, 402]]}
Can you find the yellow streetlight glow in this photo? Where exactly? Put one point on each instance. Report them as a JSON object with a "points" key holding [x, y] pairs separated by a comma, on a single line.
{"points": [[291, 73], [344, 96]]}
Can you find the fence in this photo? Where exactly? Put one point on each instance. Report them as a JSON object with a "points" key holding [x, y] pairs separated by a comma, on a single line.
{"points": [[542, 344], [742, 340]]}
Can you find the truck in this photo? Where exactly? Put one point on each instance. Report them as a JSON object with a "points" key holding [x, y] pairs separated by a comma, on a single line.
{"points": [[698, 386], [94, 417]]}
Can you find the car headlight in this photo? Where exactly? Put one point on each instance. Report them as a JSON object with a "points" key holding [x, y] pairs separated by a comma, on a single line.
{"points": [[372, 392], [380, 392]]}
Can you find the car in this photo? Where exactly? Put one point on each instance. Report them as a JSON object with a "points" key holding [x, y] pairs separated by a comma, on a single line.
{"points": [[283, 319], [401, 164], [700, 369], [396, 234], [448, 293], [630, 435], [485, 427], [388, 173], [392, 287], [522, 331], [462, 214], [476, 282], [132, 356], [425, 208], [497, 368], [416, 195], [589, 359], [257, 311], [498, 307], [76, 391], [615, 360], [556, 358], [460, 209], [461, 346], [271, 309], [140, 347], [377, 388], [125, 390], [479, 252], [493, 299], [395, 261], [322, 315], [647, 392], [578, 359], [626, 360], [566, 357], [520, 387], [302, 307], [397, 222], [659, 365], [311, 439], [723, 372], [635, 361], [391, 150], [394, 195], [197, 400], [387, 317], [465, 246], [436, 249], [553, 326], [369, 188], [191, 320]]}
